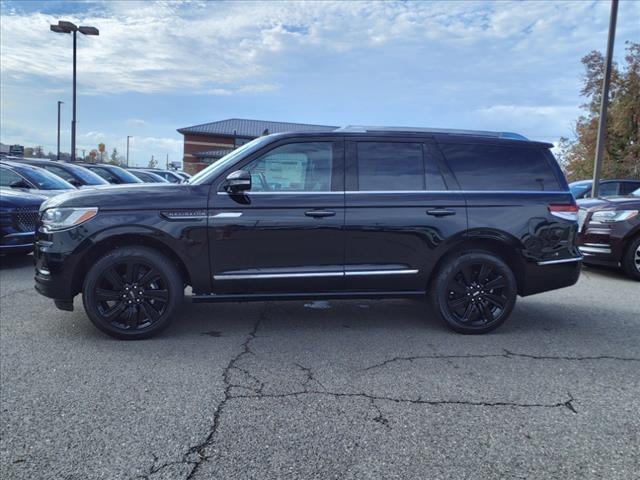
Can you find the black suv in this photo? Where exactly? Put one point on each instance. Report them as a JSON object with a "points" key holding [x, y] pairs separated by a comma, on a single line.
{"points": [[472, 219]]}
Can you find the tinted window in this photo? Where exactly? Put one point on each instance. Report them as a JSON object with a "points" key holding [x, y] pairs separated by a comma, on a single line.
{"points": [[88, 177], [390, 166], [609, 189], [491, 167], [7, 177], [296, 167], [627, 187]]}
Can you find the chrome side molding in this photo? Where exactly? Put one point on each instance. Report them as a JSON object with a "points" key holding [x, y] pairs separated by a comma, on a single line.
{"points": [[348, 273]]}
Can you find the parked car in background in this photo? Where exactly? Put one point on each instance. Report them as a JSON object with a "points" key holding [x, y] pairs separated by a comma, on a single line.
{"points": [[609, 232], [31, 179], [147, 176], [608, 188], [74, 174], [168, 175], [112, 173], [18, 217], [472, 219]]}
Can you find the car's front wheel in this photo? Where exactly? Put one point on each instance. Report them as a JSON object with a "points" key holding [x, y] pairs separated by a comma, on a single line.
{"points": [[474, 292], [132, 292], [631, 260]]}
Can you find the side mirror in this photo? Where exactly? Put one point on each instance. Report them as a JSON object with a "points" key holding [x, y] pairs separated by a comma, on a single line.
{"points": [[20, 184], [238, 181]]}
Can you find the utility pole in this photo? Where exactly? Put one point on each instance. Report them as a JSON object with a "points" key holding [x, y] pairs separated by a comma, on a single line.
{"points": [[167, 161], [128, 137], [604, 102], [58, 154]]}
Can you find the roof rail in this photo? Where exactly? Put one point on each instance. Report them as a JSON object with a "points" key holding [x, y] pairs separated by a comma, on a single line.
{"points": [[449, 131]]}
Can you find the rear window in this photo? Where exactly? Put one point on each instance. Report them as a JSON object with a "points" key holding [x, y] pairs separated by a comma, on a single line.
{"points": [[492, 167]]}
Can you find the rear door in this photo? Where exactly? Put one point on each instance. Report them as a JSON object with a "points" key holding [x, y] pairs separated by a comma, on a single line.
{"points": [[284, 235], [399, 213]]}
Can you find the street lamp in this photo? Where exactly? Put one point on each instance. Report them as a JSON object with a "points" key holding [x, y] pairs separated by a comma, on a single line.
{"points": [[128, 137], [58, 155], [68, 27]]}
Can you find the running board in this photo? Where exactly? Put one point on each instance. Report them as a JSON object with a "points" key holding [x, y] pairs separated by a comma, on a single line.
{"points": [[261, 297]]}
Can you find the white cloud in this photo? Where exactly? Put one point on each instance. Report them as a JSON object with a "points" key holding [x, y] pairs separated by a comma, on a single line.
{"points": [[213, 47]]}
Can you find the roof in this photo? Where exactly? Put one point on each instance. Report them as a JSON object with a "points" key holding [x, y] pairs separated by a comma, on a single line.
{"points": [[213, 153], [242, 127], [444, 131]]}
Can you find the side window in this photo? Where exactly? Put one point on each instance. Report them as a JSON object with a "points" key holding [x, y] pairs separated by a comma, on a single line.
{"points": [[7, 177], [61, 172], [295, 167], [609, 189], [492, 167], [390, 166]]}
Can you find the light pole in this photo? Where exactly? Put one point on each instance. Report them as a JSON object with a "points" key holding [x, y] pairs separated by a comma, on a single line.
{"points": [[604, 101], [58, 154], [128, 137], [68, 27]]}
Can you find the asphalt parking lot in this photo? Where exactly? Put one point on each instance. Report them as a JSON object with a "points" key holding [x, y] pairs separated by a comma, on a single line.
{"points": [[361, 389]]}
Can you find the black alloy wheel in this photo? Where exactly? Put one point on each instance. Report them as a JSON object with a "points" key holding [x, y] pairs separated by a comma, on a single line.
{"points": [[631, 259], [131, 292], [475, 293]]}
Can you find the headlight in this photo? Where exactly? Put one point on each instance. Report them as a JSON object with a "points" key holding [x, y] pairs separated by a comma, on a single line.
{"points": [[610, 216], [54, 219]]}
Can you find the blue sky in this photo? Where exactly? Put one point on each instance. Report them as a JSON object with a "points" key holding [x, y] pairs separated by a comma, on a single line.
{"points": [[159, 66]]}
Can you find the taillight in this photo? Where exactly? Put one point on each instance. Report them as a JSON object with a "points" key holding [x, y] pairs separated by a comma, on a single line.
{"points": [[566, 212]]}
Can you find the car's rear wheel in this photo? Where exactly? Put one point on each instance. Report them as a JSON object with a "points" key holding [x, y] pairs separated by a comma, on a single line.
{"points": [[631, 260], [132, 292], [474, 293]]}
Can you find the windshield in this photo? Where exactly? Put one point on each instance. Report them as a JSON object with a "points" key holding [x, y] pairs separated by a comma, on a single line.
{"points": [[45, 180], [212, 170], [88, 177]]}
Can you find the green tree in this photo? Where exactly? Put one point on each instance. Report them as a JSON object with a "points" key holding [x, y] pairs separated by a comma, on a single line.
{"points": [[153, 163], [622, 147]]}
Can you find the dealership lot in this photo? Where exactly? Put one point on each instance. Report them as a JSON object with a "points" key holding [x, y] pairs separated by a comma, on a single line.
{"points": [[353, 389]]}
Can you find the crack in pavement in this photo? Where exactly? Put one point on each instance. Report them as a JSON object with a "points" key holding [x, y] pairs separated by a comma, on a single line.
{"points": [[245, 350], [415, 401], [195, 455], [506, 354]]}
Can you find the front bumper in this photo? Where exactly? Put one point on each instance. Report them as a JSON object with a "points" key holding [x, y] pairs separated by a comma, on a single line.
{"points": [[599, 244], [17, 242], [54, 272]]}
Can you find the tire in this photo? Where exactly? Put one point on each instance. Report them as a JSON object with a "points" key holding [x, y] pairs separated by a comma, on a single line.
{"points": [[474, 293], [631, 259], [132, 293]]}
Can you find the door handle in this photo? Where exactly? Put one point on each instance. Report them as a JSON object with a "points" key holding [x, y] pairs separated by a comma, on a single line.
{"points": [[319, 213], [440, 212]]}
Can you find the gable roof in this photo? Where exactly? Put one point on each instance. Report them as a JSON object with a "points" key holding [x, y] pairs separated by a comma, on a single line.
{"points": [[242, 127]]}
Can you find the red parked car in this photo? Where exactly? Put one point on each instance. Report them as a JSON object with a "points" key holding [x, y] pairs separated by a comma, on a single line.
{"points": [[609, 232]]}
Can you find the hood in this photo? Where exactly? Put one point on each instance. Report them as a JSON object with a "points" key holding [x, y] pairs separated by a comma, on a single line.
{"points": [[610, 203], [17, 198], [135, 196]]}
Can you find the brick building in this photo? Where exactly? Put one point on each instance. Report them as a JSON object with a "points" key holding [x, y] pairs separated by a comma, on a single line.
{"points": [[207, 143]]}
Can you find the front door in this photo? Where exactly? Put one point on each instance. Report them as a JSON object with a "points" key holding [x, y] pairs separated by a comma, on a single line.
{"points": [[285, 234]]}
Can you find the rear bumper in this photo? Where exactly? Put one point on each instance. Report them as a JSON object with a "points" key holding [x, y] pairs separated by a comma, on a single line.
{"points": [[550, 275]]}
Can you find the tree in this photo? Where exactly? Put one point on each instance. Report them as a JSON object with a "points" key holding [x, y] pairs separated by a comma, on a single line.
{"points": [[114, 159], [153, 163], [622, 147]]}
